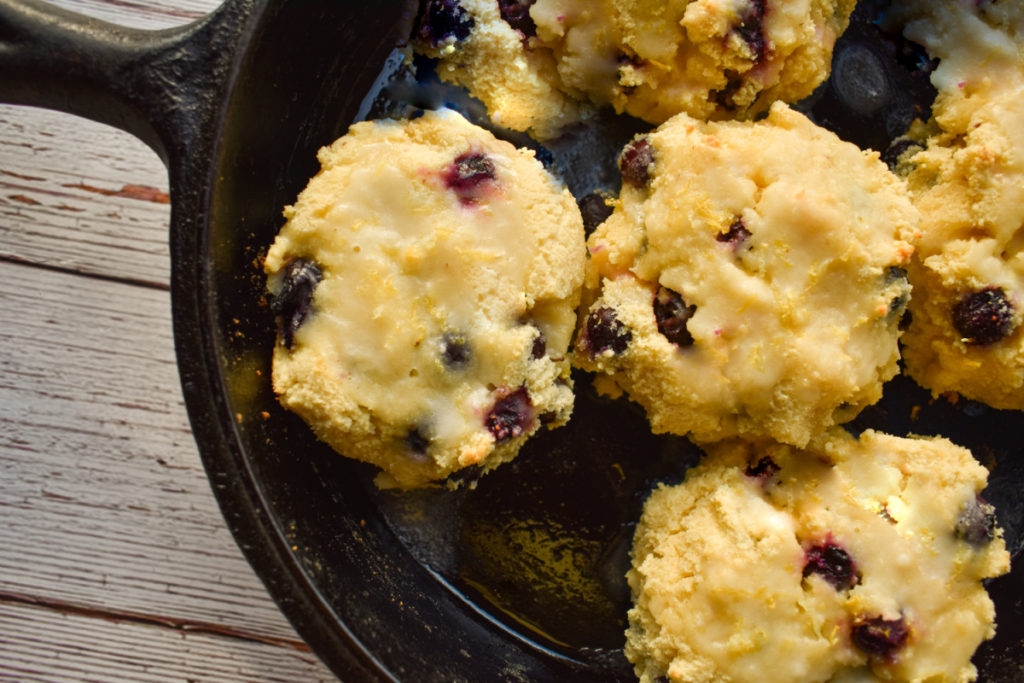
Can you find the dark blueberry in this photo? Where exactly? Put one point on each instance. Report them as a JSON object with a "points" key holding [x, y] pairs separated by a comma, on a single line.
{"points": [[604, 332], [594, 210], [416, 442], [635, 163], [724, 97], [898, 305], [443, 20], [511, 416], [833, 564], [879, 637], [516, 14], [977, 522], [763, 469], [456, 352], [894, 274], [672, 314], [540, 344], [468, 173], [299, 281], [751, 29], [984, 317], [899, 146], [736, 235]]}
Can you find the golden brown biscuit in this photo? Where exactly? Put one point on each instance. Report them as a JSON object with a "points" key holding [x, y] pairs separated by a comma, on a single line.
{"points": [[426, 279], [750, 280], [853, 560]]}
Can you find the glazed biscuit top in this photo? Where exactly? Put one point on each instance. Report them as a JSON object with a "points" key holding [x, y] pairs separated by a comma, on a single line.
{"points": [[980, 83], [537, 64], [445, 255], [703, 57], [787, 246], [980, 45], [489, 48], [968, 182], [853, 560]]}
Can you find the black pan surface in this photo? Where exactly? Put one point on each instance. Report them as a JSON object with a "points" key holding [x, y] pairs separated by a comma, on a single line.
{"points": [[521, 577]]}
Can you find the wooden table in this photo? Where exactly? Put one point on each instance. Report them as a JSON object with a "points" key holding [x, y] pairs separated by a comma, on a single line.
{"points": [[115, 564]]}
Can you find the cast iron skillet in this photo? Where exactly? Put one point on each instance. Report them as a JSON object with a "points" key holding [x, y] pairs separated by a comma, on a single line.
{"points": [[519, 579]]}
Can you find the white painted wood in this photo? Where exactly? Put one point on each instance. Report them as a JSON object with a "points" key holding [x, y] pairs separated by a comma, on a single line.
{"points": [[82, 196], [87, 648], [103, 498], [115, 564]]}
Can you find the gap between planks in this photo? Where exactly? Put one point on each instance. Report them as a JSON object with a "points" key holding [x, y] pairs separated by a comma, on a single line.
{"points": [[86, 648], [211, 628]]}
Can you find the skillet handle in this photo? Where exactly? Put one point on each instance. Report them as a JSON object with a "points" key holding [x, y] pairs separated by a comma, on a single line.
{"points": [[164, 87]]}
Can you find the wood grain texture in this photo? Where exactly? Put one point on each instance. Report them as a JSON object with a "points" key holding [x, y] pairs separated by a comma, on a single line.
{"points": [[106, 469], [92, 649], [82, 197], [106, 508], [115, 564]]}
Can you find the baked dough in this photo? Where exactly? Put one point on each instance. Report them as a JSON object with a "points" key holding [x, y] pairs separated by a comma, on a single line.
{"points": [[750, 281], [965, 334], [533, 63], [427, 279], [709, 58], [853, 560], [479, 47]]}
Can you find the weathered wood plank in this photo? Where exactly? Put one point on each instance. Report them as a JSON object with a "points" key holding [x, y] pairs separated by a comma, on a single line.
{"points": [[82, 196], [88, 648], [102, 494], [114, 561]]}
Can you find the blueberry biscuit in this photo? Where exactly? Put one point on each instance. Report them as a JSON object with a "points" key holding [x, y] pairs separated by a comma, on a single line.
{"points": [[426, 281], [490, 48], [709, 58], [751, 279], [853, 560], [968, 182]]}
